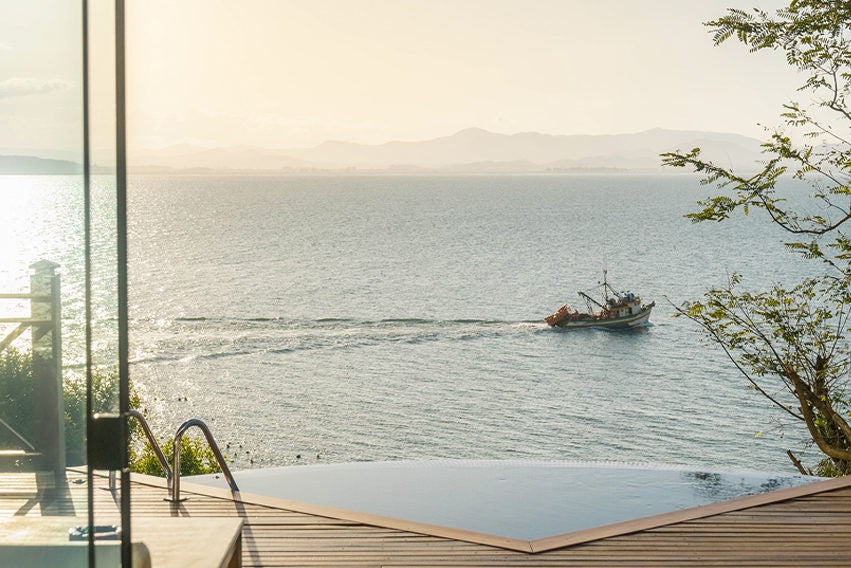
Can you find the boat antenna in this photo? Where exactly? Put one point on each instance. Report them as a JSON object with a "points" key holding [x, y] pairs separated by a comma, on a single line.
{"points": [[605, 287]]}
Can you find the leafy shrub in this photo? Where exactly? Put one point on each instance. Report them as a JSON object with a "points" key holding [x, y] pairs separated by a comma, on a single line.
{"points": [[196, 457], [104, 400], [17, 408]]}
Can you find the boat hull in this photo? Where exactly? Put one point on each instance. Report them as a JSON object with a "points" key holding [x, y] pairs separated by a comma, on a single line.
{"points": [[625, 322]]}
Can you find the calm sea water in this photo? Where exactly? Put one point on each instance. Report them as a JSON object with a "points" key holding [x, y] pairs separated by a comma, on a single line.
{"points": [[349, 318], [379, 318]]}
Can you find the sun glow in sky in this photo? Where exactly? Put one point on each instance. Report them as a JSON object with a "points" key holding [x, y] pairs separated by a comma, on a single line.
{"points": [[286, 73]]}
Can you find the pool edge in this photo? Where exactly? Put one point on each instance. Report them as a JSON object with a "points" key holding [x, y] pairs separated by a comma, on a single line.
{"points": [[529, 546]]}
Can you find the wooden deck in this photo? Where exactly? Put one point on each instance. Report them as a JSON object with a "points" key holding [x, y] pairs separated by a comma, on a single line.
{"points": [[802, 526]]}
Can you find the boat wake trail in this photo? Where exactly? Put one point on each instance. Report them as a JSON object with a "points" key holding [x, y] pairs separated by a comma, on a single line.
{"points": [[195, 338]]}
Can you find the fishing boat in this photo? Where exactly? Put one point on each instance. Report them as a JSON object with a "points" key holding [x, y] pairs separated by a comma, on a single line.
{"points": [[618, 310]]}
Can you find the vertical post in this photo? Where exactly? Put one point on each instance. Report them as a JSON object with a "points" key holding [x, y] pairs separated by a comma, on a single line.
{"points": [[121, 249], [87, 254], [49, 413]]}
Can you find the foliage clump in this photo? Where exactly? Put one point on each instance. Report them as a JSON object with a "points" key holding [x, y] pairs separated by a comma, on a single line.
{"points": [[17, 409], [794, 338], [196, 457], [16, 393]]}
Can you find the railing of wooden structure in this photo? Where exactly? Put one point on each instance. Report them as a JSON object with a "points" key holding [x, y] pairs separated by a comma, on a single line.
{"points": [[49, 426], [45, 323]]}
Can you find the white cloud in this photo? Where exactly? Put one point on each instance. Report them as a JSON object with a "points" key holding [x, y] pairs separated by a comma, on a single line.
{"points": [[23, 86]]}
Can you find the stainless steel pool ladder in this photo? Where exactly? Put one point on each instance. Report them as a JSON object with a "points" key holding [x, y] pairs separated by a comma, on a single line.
{"points": [[133, 413], [175, 482], [172, 474]]}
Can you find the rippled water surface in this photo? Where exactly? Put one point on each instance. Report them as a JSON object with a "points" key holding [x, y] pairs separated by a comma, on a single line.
{"points": [[349, 318], [376, 318]]}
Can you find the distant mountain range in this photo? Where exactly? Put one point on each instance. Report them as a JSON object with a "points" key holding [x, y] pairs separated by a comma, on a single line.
{"points": [[469, 151], [32, 165]]}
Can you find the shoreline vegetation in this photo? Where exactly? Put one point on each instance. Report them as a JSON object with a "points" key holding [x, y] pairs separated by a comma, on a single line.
{"points": [[792, 339], [18, 405]]}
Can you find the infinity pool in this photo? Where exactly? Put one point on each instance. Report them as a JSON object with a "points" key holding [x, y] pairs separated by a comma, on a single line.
{"points": [[524, 500]]}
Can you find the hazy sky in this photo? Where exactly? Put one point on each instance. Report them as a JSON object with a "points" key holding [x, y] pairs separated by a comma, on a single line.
{"points": [[283, 73]]}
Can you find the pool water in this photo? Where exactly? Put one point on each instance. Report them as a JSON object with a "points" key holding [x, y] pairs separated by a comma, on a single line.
{"points": [[524, 500]]}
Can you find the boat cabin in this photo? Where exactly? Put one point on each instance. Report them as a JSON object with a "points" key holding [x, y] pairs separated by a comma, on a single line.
{"points": [[626, 305]]}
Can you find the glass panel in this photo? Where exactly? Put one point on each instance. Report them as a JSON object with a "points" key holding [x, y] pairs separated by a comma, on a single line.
{"points": [[103, 206], [107, 434], [42, 281], [59, 282]]}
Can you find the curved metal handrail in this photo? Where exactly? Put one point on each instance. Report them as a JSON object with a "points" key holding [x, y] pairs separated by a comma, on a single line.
{"points": [[175, 484], [133, 413]]}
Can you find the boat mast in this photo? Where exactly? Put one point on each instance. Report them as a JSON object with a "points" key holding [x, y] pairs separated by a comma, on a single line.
{"points": [[605, 287]]}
